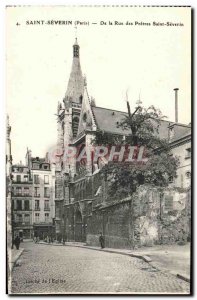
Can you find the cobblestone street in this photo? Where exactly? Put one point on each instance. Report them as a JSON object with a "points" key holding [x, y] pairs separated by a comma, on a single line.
{"points": [[58, 269]]}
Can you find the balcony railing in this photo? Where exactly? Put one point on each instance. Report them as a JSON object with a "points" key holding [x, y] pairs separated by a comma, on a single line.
{"points": [[22, 182], [37, 208], [20, 195], [20, 223], [22, 209], [47, 209], [37, 195]]}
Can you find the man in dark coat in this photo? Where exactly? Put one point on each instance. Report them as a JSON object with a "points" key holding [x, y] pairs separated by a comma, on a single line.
{"points": [[17, 242], [101, 240]]}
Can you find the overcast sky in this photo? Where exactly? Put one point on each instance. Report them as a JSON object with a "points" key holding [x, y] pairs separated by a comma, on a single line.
{"points": [[150, 60]]}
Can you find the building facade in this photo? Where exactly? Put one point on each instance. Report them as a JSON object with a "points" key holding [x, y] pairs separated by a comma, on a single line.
{"points": [[22, 188], [180, 144], [33, 189], [9, 186], [43, 208]]}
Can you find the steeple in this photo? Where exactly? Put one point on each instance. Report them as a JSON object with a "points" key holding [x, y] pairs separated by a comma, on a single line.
{"points": [[76, 49], [75, 88]]}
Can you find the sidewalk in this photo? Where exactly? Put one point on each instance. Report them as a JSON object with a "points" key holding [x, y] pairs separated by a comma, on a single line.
{"points": [[170, 258], [174, 258], [14, 256]]}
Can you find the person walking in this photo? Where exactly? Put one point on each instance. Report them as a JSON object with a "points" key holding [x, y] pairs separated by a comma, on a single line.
{"points": [[17, 242], [102, 240]]}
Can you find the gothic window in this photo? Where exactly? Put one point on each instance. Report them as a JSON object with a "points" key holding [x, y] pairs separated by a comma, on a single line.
{"points": [[80, 99], [76, 52], [84, 117], [169, 202]]}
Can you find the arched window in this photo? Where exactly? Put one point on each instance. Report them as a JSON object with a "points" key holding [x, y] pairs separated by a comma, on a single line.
{"points": [[80, 99]]}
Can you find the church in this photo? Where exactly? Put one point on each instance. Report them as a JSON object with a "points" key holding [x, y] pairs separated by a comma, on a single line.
{"points": [[82, 207]]}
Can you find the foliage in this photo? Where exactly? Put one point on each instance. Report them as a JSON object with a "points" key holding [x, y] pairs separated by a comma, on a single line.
{"points": [[123, 179]]}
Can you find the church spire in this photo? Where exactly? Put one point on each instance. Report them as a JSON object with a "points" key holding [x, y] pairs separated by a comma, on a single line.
{"points": [[76, 49], [75, 88]]}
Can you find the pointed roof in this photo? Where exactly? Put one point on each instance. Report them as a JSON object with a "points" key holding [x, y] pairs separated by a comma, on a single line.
{"points": [[75, 87], [86, 120]]}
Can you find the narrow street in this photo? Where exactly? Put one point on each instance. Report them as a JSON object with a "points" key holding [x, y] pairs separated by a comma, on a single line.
{"points": [[57, 269]]}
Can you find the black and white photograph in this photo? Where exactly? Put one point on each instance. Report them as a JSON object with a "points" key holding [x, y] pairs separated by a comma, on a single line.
{"points": [[98, 150]]}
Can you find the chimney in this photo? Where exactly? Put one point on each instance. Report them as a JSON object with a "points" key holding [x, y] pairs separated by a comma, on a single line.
{"points": [[176, 105]]}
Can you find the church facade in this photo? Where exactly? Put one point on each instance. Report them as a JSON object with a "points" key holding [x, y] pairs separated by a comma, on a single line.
{"points": [[83, 208]]}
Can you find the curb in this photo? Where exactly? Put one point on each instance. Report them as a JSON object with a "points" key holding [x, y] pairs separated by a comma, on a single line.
{"points": [[12, 263], [183, 277], [143, 257]]}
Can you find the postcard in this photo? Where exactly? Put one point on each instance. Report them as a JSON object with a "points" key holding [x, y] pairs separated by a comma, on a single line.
{"points": [[98, 150]]}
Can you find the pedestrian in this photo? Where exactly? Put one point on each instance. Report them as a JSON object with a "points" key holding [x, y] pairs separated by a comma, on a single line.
{"points": [[102, 240], [17, 242]]}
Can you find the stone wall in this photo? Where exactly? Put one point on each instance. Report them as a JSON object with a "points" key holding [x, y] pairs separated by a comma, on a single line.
{"points": [[151, 217]]}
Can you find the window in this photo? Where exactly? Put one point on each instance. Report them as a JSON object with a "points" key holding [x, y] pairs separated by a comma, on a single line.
{"points": [[36, 179], [46, 204], [37, 204], [26, 191], [26, 204], [37, 217], [36, 166], [47, 217], [171, 179], [188, 153], [36, 192], [18, 178], [46, 192], [46, 179], [19, 218], [25, 178], [27, 219], [45, 167], [84, 117], [18, 191], [19, 204], [168, 202], [188, 175]]}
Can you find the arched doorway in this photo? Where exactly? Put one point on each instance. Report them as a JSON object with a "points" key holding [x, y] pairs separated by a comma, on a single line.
{"points": [[78, 226]]}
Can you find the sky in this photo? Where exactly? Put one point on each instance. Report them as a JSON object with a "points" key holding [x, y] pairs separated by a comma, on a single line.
{"points": [[146, 60]]}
